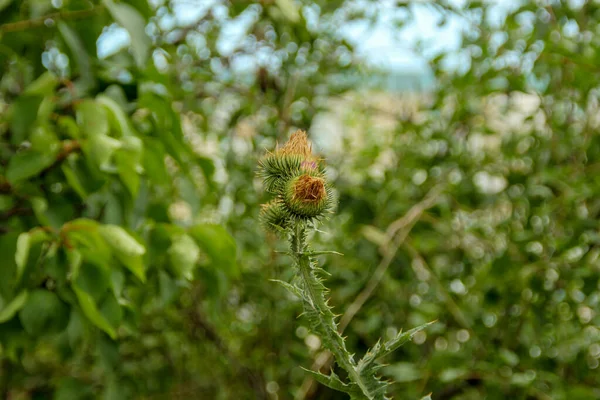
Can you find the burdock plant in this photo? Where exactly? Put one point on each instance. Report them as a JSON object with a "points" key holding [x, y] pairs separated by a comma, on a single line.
{"points": [[303, 197]]}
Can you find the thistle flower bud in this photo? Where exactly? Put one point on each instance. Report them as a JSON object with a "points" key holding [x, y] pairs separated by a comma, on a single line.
{"points": [[307, 196], [274, 216]]}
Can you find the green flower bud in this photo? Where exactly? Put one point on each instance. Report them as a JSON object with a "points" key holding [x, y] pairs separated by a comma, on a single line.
{"points": [[276, 169], [274, 217]]}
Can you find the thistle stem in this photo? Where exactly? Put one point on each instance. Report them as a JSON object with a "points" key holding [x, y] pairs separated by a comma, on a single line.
{"points": [[316, 302]]}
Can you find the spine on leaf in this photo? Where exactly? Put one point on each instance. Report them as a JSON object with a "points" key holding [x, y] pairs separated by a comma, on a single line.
{"points": [[302, 198]]}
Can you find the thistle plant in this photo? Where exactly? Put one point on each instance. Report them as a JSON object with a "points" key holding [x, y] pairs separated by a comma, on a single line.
{"points": [[303, 197]]}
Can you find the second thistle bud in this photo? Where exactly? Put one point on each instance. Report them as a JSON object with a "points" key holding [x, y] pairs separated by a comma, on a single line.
{"points": [[274, 216]]}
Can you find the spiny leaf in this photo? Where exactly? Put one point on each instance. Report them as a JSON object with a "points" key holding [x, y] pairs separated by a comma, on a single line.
{"points": [[318, 253], [295, 290], [402, 338], [381, 350], [333, 381]]}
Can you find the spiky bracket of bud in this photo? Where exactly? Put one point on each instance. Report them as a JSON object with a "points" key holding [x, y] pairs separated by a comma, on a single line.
{"points": [[303, 196]]}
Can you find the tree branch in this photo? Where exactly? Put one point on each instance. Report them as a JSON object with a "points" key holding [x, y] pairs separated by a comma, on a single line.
{"points": [[41, 21], [15, 212]]}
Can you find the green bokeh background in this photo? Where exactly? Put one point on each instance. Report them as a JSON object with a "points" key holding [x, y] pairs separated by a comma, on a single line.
{"points": [[132, 264]]}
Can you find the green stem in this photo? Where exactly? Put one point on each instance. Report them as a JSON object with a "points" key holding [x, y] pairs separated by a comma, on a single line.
{"points": [[315, 291]]}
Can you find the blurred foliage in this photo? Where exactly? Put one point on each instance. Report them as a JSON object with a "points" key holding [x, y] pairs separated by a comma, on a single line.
{"points": [[132, 262]]}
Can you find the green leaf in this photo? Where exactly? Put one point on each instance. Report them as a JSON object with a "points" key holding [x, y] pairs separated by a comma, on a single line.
{"points": [[40, 206], [117, 116], [218, 244], [134, 146], [22, 253], [8, 271], [68, 126], [74, 181], [128, 250], [76, 329], [44, 85], [44, 313], [208, 168], [24, 115], [27, 164], [289, 9], [73, 389], [116, 391], [46, 108], [117, 280], [84, 235], [24, 243], [6, 202], [94, 280], [111, 310], [167, 288], [4, 4], [509, 357], [130, 19], [78, 53], [108, 352], [121, 241], [127, 160], [184, 254], [39, 7], [168, 128], [74, 260], [100, 149], [92, 313], [92, 119], [44, 141], [154, 161], [127, 172], [452, 374], [13, 307]]}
